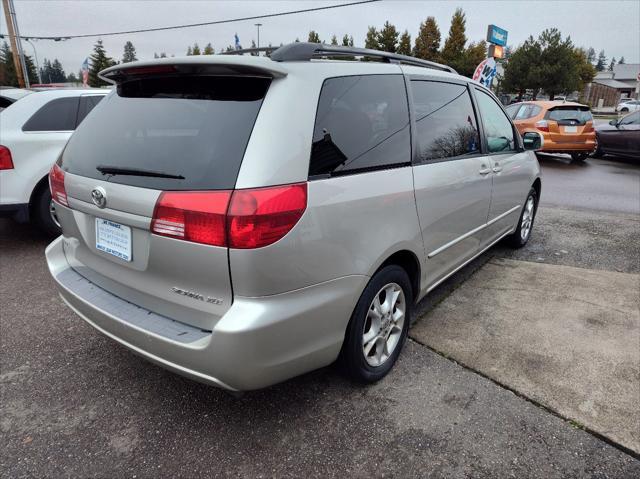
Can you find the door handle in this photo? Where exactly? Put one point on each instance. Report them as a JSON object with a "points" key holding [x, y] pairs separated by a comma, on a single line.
{"points": [[497, 169], [484, 170]]}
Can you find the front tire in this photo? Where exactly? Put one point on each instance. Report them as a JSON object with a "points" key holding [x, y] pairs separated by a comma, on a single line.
{"points": [[44, 214], [521, 235], [378, 327], [579, 156]]}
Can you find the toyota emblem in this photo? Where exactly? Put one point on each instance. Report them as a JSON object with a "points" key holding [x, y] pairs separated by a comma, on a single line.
{"points": [[99, 197]]}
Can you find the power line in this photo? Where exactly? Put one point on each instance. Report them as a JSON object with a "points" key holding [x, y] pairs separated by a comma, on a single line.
{"points": [[58, 38]]}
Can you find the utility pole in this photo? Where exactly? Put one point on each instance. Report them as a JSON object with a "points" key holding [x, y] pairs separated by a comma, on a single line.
{"points": [[258, 25], [16, 45]]}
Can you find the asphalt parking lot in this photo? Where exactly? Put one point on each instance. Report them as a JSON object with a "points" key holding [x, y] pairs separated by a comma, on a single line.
{"points": [[76, 404]]}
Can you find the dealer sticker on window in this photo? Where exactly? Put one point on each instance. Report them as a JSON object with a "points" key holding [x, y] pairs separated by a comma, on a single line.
{"points": [[113, 238]]}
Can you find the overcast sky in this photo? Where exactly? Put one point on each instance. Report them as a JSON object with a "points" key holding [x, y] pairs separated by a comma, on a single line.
{"points": [[610, 25]]}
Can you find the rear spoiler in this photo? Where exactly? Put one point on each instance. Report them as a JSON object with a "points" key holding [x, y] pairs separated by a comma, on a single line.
{"points": [[195, 65]]}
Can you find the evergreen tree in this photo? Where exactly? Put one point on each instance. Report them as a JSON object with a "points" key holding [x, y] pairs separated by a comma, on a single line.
{"points": [[99, 61], [8, 76], [371, 41], [560, 70], [253, 45], [428, 40], [404, 47], [58, 74], [189, 51], [602, 61], [585, 70], [621, 61], [208, 49], [521, 72], [32, 71], [129, 54], [314, 37], [388, 38], [347, 41], [591, 55], [71, 78], [334, 40], [196, 49], [612, 64], [473, 55], [453, 52]]}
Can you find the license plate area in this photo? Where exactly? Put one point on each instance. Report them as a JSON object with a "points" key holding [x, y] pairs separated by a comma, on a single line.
{"points": [[571, 129], [113, 238]]}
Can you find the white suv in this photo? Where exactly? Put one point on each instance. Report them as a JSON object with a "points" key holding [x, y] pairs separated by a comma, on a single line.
{"points": [[33, 132]]}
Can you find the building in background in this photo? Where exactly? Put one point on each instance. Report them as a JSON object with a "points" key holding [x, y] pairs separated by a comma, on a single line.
{"points": [[610, 87]]}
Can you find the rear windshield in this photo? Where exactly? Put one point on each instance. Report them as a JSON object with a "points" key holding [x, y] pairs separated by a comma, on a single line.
{"points": [[562, 114], [194, 130]]}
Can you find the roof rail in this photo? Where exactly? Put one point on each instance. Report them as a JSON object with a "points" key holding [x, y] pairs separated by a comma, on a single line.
{"points": [[242, 51], [303, 51]]}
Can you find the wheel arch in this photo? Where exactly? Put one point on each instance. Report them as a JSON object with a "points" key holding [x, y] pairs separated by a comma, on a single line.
{"points": [[408, 261], [537, 185], [37, 189]]}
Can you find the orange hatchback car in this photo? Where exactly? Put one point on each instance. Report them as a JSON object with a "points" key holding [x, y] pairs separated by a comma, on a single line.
{"points": [[566, 127]]}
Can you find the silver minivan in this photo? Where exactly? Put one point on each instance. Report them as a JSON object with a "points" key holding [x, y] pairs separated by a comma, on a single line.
{"points": [[242, 220]]}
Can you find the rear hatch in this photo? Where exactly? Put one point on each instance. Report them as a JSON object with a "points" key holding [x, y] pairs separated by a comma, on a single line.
{"points": [[569, 123], [147, 178]]}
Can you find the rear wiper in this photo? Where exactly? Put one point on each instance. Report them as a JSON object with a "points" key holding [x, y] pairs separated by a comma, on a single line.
{"points": [[117, 170]]}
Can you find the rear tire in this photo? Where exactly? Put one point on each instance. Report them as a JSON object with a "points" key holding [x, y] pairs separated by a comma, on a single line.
{"points": [[44, 213], [598, 153], [521, 235], [378, 327]]}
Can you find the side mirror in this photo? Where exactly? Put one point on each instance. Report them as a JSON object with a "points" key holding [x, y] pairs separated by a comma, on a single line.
{"points": [[613, 122], [533, 141]]}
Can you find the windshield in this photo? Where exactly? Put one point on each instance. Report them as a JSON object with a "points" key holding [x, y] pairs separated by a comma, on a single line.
{"points": [[192, 129]]}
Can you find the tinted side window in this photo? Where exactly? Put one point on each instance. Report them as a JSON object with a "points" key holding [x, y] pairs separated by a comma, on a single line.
{"points": [[633, 119], [57, 115], [497, 127], [87, 103], [445, 120], [362, 123]]}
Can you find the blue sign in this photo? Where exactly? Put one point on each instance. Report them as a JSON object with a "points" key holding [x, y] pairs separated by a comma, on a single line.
{"points": [[497, 35]]}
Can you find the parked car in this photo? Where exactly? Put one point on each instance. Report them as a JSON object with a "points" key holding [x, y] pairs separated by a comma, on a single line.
{"points": [[619, 137], [10, 95], [566, 127], [33, 132], [628, 105], [559, 98], [242, 220]]}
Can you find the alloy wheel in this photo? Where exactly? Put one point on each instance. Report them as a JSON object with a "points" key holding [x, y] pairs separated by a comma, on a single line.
{"points": [[384, 324]]}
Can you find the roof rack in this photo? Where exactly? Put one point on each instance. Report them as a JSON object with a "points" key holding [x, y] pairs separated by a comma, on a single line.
{"points": [[242, 51], [303, 51]]}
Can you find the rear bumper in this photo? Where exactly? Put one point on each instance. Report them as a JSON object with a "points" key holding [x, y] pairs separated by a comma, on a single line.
{"points": [[257, 343], [551, 146], [19, 212]]}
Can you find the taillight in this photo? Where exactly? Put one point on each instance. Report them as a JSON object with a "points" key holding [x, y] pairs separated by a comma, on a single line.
{"points": [[542, 125], [6, 162], [197, 216], [56, 185], [588, 128], [243, 219], [262, 216]]}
